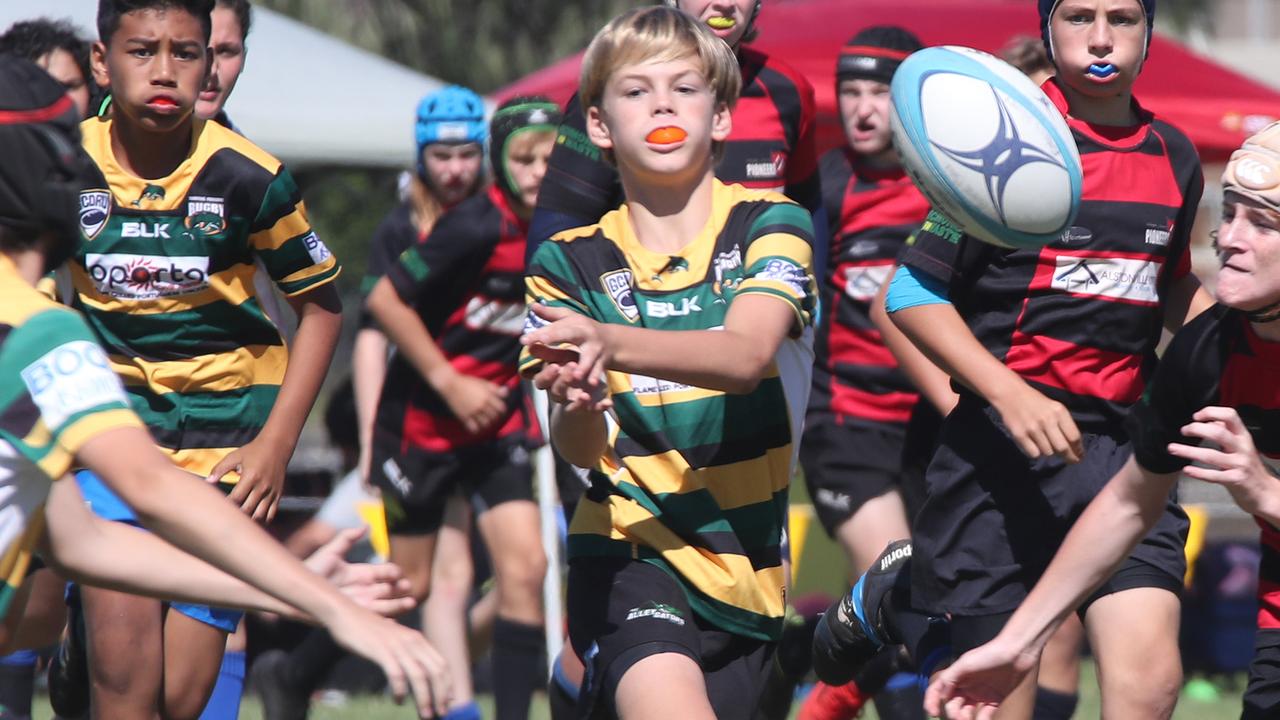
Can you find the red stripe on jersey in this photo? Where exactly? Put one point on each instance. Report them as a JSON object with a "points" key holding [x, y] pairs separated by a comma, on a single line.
{"points": [[757, 118], [847, 401], [439, 434], [1133, 177], [873, 51], [864, 347], [1078, 369], [899, 203], [1253, 378], [500, 373]]}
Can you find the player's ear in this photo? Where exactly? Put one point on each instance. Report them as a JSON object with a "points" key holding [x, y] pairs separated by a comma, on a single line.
{"points": [[598, 129], [98, 64], [721, 122]]}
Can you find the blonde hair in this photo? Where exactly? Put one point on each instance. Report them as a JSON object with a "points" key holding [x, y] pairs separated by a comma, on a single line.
{"points": [[657, 34], [424, 208]]}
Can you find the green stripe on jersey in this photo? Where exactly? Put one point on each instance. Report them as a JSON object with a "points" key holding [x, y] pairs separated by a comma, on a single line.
{"points": [[215, 327]]}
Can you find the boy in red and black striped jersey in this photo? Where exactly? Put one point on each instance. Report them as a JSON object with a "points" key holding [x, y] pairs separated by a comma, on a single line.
{"points": [[855, 427], [772, 145], [1049, 349], [860, 401], [1218, 384], [451, 416]]}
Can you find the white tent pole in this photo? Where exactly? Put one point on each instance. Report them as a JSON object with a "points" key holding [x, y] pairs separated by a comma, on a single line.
{"points": [[548, 502]]}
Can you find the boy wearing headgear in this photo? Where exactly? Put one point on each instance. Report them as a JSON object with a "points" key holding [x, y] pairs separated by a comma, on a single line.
{"points": [[1048, 349], [451, 416], [1211, 412], [858, 409]]}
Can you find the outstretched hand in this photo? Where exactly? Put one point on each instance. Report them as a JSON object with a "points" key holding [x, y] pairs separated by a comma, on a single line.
{"points": [[1232, 461], [570, 338], [973, 687], [381, 588]]}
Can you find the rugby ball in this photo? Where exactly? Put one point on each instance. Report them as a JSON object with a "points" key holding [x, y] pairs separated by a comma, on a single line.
{"points": [[986, 146]]}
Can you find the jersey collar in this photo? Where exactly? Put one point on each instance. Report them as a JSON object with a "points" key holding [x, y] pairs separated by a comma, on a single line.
{"points": [[1114, 137]]}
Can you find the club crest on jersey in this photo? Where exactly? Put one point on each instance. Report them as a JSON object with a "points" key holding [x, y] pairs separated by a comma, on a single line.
{"points": [[618, 285], [95, 210], [205, 215], [149, 193]]}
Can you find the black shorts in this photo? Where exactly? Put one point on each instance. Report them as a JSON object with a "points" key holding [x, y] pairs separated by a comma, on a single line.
{"points": [[1262, 696], [993, 518], [416, 484], [622, 611], [918, 446], [848, 463]]}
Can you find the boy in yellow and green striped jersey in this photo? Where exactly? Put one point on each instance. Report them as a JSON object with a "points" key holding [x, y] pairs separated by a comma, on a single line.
{"points": [[686, 314], [62, 406], [165, 280]]}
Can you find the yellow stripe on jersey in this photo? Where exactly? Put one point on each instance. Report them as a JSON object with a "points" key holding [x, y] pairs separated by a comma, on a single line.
{"points": [[201, 461], [735, 485], [286, 228], [234, 285], [651, 392], [779, 244], [218, 372], [79, 432], [718, 576]]}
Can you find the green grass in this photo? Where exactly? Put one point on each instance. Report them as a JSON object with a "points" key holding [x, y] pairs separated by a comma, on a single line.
{"points": [[1226, 707]]}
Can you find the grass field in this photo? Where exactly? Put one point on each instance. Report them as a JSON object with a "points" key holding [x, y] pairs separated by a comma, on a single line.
{"points": [[1226, 707]]}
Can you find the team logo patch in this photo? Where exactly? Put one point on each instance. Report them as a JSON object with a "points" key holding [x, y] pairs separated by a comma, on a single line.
{"points": [[150, 193], [147, 277], [618, 284], [95, 210], [657, 611], [70, 379], [205, 223], [316, 248], [787, 273], [1123, 279]]}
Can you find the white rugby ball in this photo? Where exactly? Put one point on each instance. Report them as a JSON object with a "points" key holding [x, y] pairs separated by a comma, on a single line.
{"points": [[986, 146]]}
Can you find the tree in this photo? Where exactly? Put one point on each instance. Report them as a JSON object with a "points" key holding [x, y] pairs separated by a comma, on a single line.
{"points": [[482, 44]]}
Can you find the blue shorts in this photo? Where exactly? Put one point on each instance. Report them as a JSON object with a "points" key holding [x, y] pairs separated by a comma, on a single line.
{"points": [[104, 503]]}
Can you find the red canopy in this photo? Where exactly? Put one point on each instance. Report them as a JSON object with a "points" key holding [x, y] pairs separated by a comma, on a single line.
{"points": [[1215, 106]]}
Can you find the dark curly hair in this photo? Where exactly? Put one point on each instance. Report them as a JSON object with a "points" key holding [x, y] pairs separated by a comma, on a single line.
{"points": [[110, 12]]}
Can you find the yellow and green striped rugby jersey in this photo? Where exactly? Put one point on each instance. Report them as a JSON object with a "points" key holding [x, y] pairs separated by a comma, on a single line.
{"points": [[165, 279], [57, 391], [695, 480]]}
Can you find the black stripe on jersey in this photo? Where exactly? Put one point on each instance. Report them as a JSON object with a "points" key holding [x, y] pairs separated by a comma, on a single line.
{"points": [[851, 315], [836, 171], [786, 99], [1269, 569], [1044, 311], [1264, 425], [189, 438], [480, 345], [728, 543], [725, 452], [873, 379], [247, 181]]}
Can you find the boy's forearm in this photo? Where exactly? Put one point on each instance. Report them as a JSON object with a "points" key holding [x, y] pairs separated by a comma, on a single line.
{"points": [[1113, 523], [197, 519], [119, 557], [946, 341], [404, 327], [319, 324], [368, 372], [581, 438], [934, 384], [730, 360]]}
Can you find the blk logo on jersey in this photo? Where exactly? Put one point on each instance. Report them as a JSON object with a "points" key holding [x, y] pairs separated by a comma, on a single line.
{"points": [[147, 277], [1117, 278], [95, 210], [618, 285]]}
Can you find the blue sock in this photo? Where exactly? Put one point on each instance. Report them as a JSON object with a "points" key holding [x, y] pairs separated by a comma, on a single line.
{"points": [[224, 704], [20, 658], [470, 711]]}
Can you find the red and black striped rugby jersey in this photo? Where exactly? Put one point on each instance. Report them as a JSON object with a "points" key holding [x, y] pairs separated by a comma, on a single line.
{"points": [[1217, 359], [466, 281], [1080, 318], [772, 146], [871, 213]]}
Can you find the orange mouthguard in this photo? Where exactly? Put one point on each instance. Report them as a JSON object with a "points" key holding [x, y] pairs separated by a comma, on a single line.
{"points": [[666, 136]]}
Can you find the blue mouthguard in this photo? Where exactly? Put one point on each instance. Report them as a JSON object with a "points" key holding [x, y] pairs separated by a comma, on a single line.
{"points": [[1104, 70]]}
